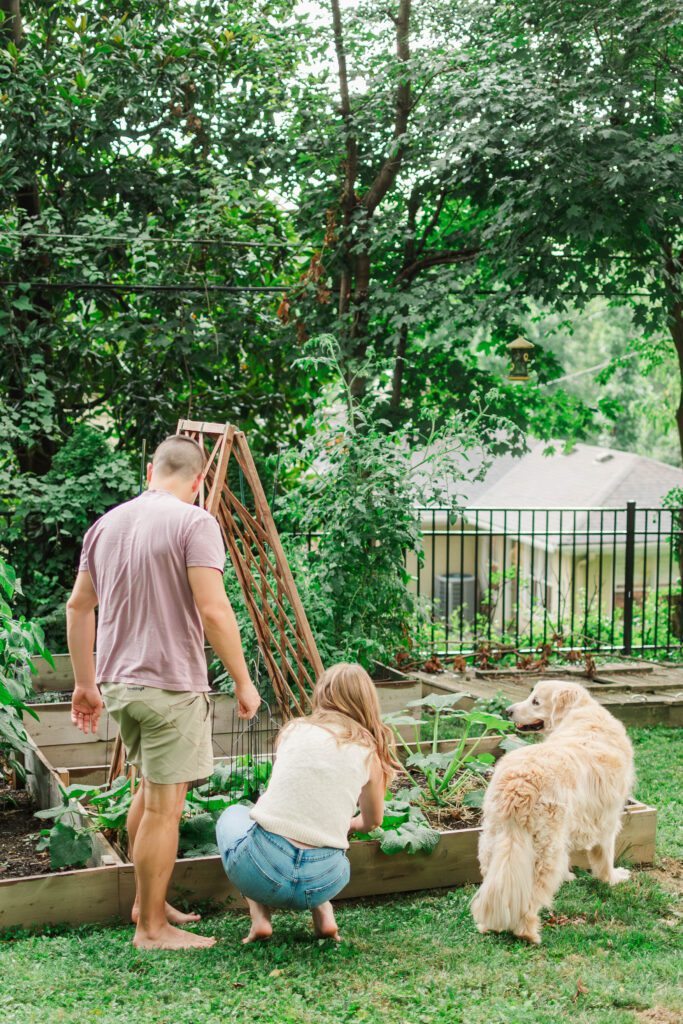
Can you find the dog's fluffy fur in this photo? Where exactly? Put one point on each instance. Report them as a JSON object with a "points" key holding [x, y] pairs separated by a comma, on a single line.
{"points": [[547, 800]]}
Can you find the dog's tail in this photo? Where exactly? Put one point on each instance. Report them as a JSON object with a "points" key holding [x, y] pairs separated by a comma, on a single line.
{"points": [[504, 896]]}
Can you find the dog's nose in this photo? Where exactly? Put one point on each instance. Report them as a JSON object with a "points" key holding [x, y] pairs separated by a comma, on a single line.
{"points": [[508, 711]]}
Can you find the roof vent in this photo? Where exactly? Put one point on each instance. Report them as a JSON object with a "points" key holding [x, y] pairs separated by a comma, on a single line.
{"points": [[604, 457]]}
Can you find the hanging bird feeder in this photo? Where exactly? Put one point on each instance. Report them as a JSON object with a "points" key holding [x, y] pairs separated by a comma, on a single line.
{"points": [[520, 353]]}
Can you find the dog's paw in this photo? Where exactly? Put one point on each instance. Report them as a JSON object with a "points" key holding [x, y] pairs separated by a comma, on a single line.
{"points": [[569, 877], [619, 875], [482, 929], [531, 935]]}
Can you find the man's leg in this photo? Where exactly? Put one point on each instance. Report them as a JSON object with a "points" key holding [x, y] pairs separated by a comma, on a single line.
{"points": [[155, 849], [173, 915]]}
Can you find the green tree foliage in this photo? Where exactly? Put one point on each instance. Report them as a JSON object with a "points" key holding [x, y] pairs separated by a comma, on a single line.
{"points": [[567, 153], [137, 147], [405, 274], [46, 517], [19, 641], [350, 514]]}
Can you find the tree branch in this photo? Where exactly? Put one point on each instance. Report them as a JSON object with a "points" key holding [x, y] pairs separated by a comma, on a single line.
{"points": [[348, 196], [432, 221], [387, 173], [445, 257]]}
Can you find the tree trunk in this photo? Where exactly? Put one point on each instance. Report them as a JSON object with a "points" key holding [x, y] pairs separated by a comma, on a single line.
{"points": [[672, 277], [676, 328], [354, 282]]}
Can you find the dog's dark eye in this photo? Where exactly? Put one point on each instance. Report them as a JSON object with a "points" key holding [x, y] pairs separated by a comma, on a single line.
{"points": [[534, 701]]}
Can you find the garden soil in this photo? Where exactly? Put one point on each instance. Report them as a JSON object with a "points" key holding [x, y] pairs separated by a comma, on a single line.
{"points": [[19, 831]]}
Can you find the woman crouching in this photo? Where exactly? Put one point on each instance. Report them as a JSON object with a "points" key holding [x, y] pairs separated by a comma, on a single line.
{"points": [[289, 850]]}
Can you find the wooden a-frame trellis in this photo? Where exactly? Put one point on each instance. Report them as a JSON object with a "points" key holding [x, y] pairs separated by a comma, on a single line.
{"points": [[282, 630]]}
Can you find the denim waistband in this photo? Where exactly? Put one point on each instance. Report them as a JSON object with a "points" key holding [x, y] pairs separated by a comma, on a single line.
{"points": [[297, 853]]}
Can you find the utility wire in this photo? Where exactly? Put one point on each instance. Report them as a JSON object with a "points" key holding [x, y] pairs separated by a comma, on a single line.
{"points": [[194, 287], [589, 369], [116, 239], [107, 286]]}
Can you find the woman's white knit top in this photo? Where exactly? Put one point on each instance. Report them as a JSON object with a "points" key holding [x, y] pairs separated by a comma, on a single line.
{"points": [[313, 791]]}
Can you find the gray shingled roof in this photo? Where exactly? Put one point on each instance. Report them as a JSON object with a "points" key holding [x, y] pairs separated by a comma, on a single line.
{"points": [[588, 477]]}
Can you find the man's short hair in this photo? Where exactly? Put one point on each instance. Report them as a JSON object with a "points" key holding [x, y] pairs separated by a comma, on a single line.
{"points": [[179, 455]]}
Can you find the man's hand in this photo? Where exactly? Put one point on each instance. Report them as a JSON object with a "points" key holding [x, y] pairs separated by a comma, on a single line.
{"points": [[248, 700], [86, 708]]}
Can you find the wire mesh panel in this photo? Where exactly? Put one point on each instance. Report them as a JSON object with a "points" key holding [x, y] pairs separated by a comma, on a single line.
{"points": [[233, 493]]}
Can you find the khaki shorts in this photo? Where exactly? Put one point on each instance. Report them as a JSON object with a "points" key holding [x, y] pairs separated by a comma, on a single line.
{"points": [[166, 733]]}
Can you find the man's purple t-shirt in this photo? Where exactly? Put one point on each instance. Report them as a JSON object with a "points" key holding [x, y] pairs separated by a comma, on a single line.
{"points": [[149, 630]]}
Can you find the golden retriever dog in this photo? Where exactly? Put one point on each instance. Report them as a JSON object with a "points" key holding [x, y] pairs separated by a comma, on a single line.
{"points": [[547, 800]]}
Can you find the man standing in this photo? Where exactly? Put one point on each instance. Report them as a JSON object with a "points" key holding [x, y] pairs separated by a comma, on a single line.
{"points": [[154, 566]]}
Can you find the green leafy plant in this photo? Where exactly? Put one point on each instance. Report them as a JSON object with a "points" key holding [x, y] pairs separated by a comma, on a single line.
{"points": [[19, 642], [48, 516], [83, 811], [450, 778], [350, 513], [404, 827]]}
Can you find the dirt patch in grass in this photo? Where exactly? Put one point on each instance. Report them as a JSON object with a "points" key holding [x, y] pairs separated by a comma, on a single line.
{"points": [[669, 874], [659, 1015], [18, 832]]}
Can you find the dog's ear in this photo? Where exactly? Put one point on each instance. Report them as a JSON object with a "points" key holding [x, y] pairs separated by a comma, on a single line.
{"points": [[560, 702]]}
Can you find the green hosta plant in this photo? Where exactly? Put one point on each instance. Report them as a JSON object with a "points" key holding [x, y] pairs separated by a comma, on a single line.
{"points": [[19, 642]]}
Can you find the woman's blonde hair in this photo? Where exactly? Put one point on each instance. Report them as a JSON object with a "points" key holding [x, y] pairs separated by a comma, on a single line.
{"points": [[345, 702]]}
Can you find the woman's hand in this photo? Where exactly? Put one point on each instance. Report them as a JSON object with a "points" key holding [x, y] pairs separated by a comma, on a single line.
{"points": [[356, 824]]}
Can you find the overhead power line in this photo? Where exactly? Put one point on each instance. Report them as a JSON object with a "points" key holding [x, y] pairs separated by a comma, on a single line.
{"points": [[109, 286], [117, 239], [193, 286], [589, 369]]}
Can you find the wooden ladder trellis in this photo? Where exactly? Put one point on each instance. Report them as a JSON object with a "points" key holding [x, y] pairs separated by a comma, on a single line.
{"points": [[282, 630]]}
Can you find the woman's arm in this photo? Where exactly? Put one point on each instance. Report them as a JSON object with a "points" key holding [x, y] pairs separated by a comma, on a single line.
{"points": [[371, 801]]}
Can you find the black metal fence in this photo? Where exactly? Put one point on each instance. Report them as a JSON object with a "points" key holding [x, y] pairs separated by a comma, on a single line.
{"points": [[599, 580]]}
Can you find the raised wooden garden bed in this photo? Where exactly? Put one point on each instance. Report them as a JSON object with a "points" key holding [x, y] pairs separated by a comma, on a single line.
{"points": [[85, 895], [104, 891]]}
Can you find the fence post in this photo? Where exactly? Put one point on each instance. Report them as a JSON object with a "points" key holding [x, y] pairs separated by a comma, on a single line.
{"points": [[628, 575]]}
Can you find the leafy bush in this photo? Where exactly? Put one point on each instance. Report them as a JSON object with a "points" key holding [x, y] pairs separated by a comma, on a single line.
{"points": [[454, 777], [354, 488], [19, 641], [48, 515]]}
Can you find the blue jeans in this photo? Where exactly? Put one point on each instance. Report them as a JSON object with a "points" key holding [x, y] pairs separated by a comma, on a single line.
{"points": [[270, 870]]}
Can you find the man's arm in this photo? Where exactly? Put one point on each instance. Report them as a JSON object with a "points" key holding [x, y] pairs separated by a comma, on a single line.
{"points": [[222, 632], [86, 703]]}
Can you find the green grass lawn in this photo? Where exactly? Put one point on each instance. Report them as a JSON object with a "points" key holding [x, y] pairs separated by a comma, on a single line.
{"points": [[613, 956]]}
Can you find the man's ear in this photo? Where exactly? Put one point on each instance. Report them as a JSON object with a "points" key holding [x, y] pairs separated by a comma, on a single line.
{"points": [[150, 468], [196, 483]]}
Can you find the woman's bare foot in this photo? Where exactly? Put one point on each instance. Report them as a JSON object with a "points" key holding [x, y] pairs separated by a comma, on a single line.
{"points": [[173, 915], [261, 928], [324, 922], [168, 937]]}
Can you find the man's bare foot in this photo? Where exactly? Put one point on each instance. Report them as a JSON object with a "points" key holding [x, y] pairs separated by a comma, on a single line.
{"points": [[324, 922], [168, 937], [261, 928], [173, 915]]}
